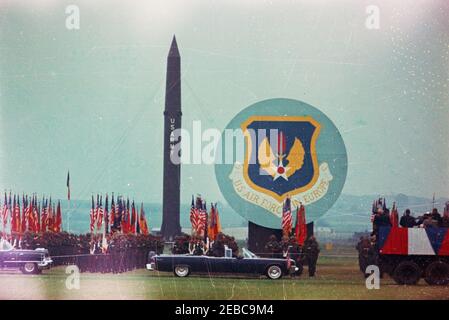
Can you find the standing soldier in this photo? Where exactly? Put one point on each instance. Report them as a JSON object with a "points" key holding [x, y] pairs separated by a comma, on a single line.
{"points": [[272, 247], [285, 245], [114, 255], [311, 250], [363, 247]]}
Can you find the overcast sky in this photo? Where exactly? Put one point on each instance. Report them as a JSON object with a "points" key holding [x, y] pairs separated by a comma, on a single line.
{"points": [[91, 100]]}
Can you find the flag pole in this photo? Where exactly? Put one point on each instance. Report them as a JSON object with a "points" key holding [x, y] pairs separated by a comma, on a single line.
{"points": [[433, 201], [69, 201]]}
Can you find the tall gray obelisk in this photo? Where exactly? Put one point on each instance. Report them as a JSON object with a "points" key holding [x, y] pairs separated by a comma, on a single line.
{"points": [[172, 121]]}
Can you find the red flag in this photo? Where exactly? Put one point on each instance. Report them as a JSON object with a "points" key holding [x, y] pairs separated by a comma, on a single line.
{"points": [[50, 216], [112, 213], [143, 221], [214, 226], [58, 220], [125, 223], [394, 216], [15, 217], [133, 218], [301, 226], [23, 223], [30, 217], [100, 213], [44, 217], [36, 217]]}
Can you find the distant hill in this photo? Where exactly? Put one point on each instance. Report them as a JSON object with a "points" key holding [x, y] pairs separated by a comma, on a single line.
{"points": [[80, 215], [350, 213]]}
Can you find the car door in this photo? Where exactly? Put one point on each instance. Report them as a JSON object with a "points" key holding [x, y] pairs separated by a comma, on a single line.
{"points": [[220, 264], [245, 265], [9, 258], [2, 259]]}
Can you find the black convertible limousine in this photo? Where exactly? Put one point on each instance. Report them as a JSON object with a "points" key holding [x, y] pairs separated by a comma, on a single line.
{"points": [[28, 261], [249, 263]]}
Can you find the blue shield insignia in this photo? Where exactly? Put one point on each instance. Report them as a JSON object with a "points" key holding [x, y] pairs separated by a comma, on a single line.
{"points": [[280, 156]]}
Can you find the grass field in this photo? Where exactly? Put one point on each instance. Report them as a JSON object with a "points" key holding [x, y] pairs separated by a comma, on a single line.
{"points": [[337, 278]]}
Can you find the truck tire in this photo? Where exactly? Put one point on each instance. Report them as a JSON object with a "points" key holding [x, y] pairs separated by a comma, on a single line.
{"points": [[407, 272], [437, 273]]}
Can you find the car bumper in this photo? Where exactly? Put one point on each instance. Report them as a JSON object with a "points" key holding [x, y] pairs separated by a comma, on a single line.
{"points": [[45, 264], [151, 266], [294, 269]]}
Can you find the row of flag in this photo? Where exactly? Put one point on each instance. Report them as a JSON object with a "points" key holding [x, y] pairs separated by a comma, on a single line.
{"points": [[300, 231], [27, 213], [120, 216], [204, 225]]}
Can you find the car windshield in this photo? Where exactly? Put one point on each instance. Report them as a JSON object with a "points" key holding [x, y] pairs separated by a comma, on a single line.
{"points": [[248, 254], [5, 245]]}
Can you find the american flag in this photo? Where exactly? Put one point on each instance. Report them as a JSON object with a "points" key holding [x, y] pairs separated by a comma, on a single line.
{"points": [[100, 213], [92, 216], [112, 213], [5, 211], [106, 216], [30, 216], [193, 216], [44, 218], [202, 220], [36, 217], [287, 217]]}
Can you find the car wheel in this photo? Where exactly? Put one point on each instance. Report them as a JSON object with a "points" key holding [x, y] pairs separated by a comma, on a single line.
{"points": [[182, 271], [30, 268], [437, 273], [274, 272], [407, 272]]}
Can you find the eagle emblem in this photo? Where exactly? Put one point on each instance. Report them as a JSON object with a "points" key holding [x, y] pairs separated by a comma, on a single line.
{"points": [[274, 164], [281, 158]]}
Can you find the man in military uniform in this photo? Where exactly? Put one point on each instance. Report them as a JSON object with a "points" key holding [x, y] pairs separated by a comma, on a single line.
{"points": [[382, 219], [363, 247], [285, 244], [272, 247], [311, 250], [407, 220], [218, 249]]}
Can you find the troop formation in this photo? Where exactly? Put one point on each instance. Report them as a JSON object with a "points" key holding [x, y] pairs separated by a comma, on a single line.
{"points": [[124, 252]]}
